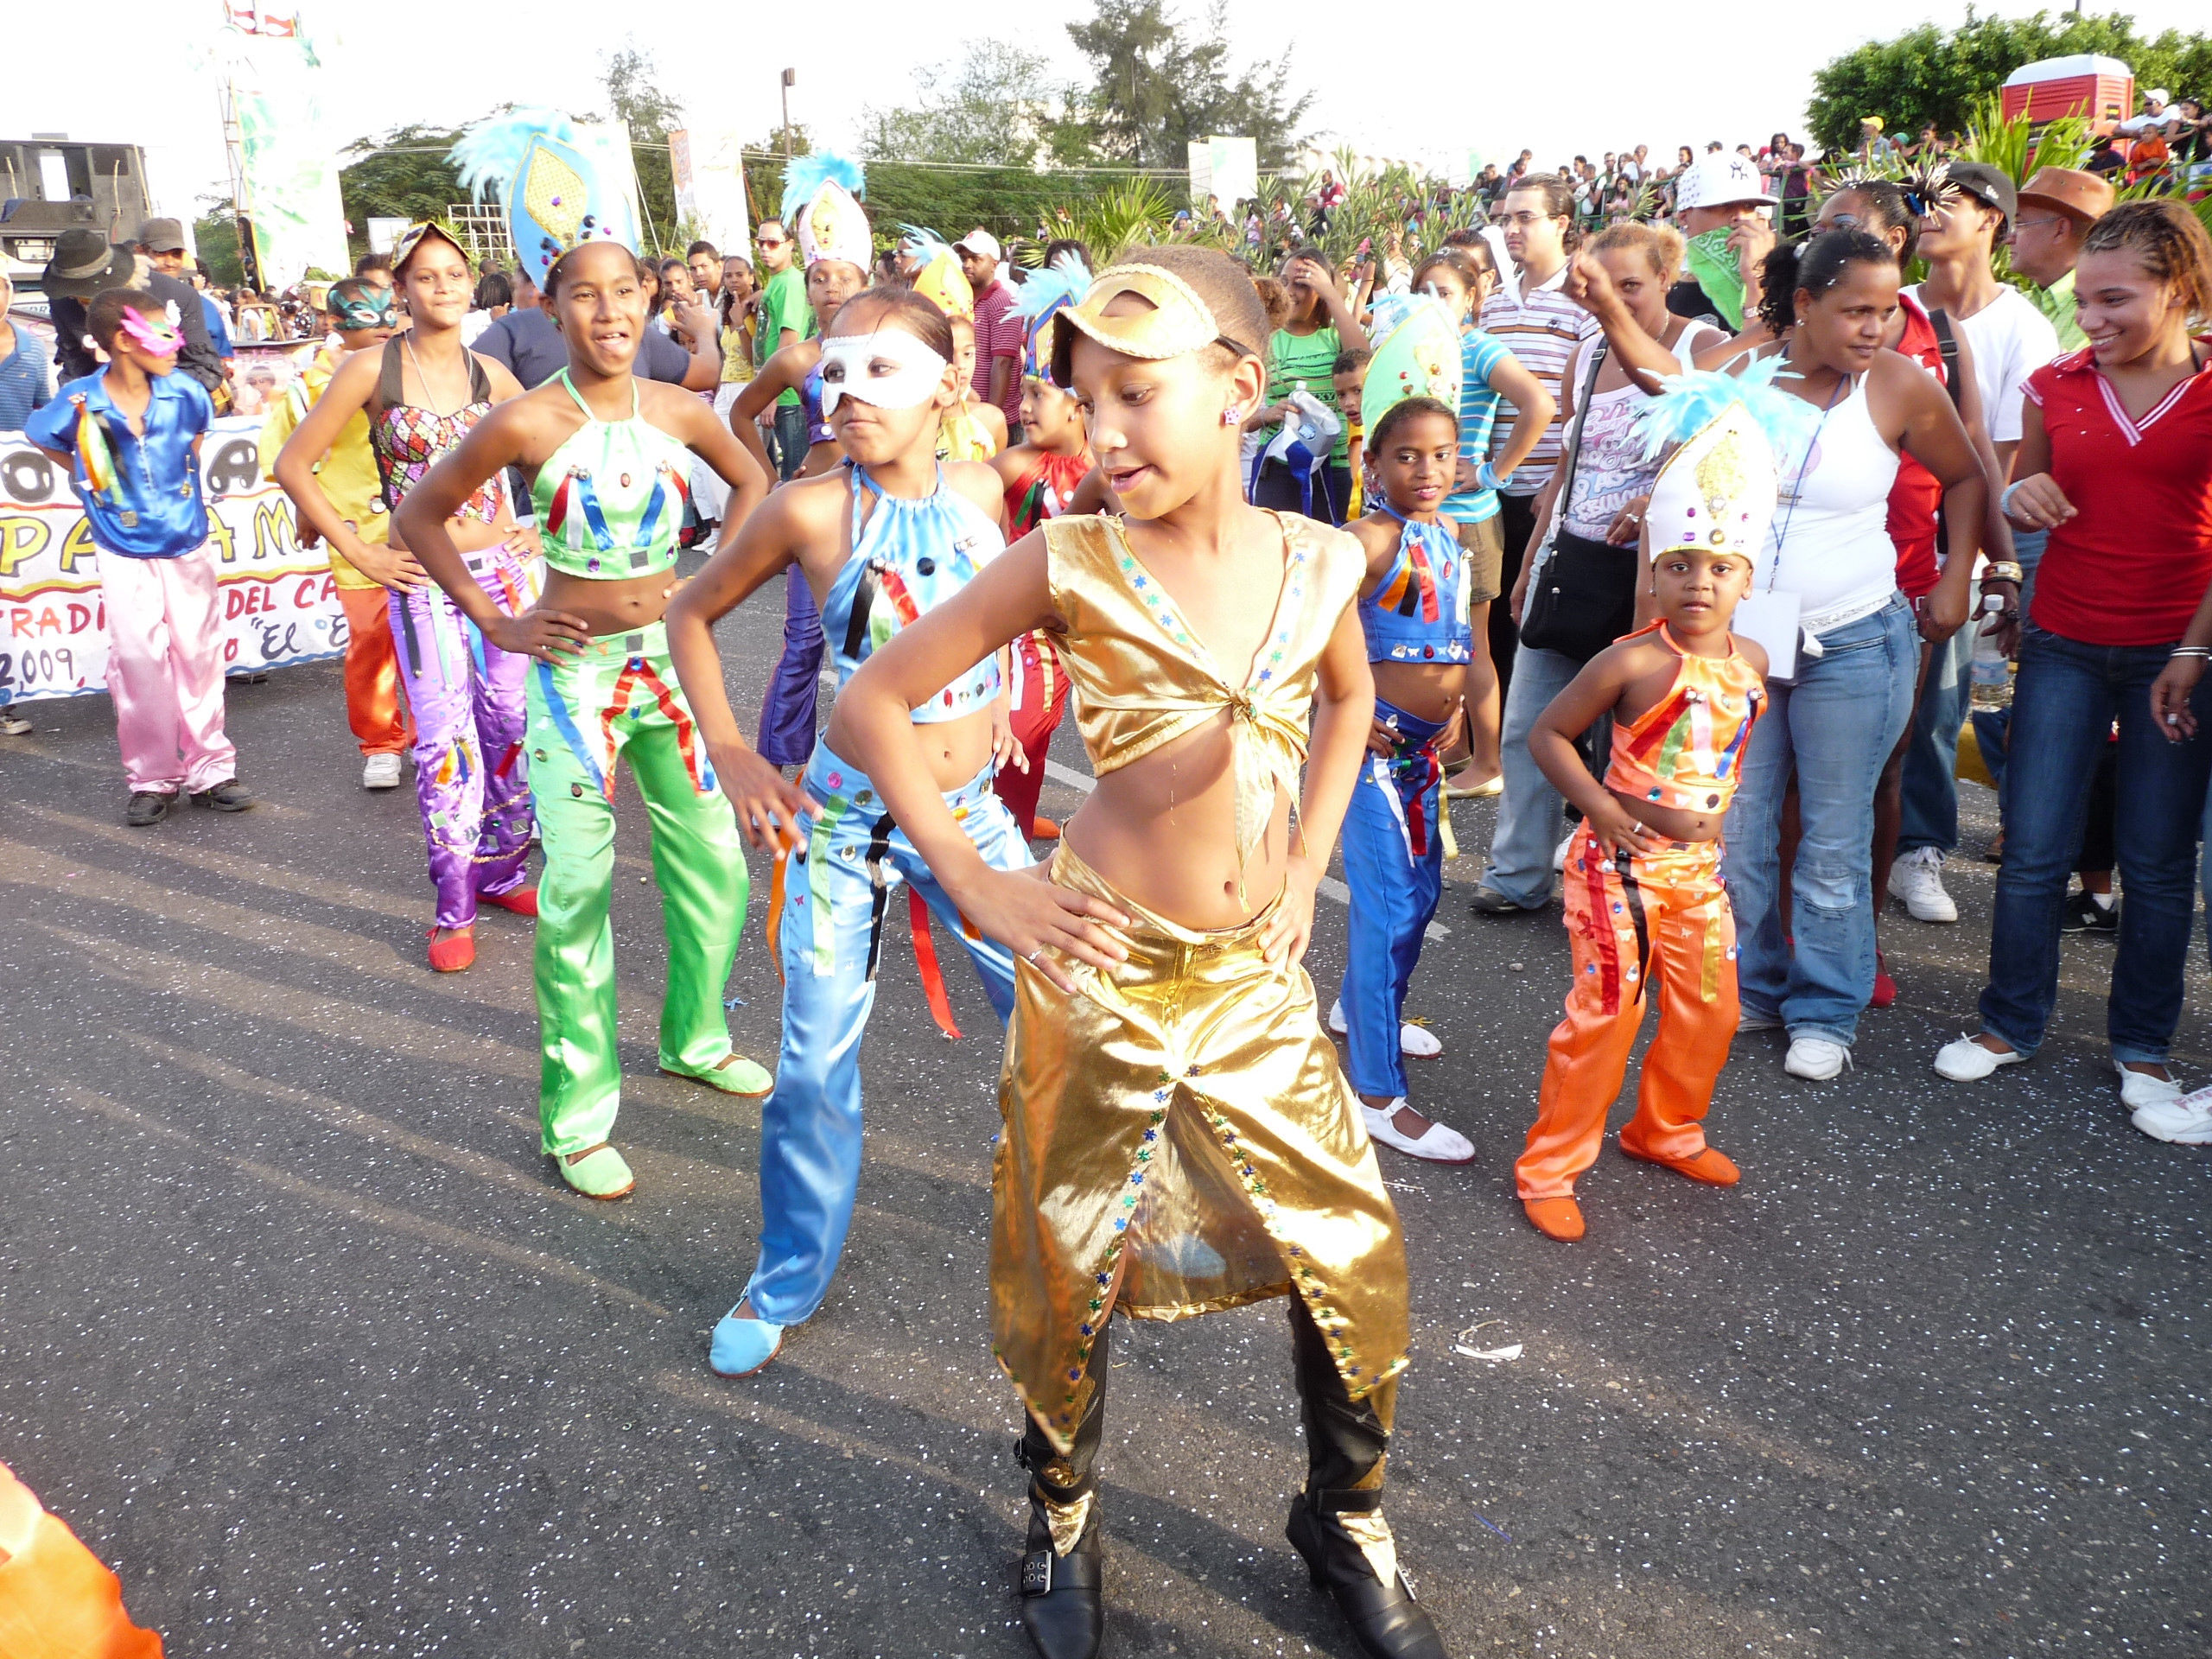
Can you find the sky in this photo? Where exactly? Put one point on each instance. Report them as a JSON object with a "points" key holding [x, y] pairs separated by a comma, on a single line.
{"points": [[1487, 80]]}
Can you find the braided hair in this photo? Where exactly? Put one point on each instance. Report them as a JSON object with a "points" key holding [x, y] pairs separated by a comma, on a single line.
{"points": [[2171, 243]]}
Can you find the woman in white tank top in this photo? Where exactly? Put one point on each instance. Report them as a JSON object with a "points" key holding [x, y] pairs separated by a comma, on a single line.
{"points": [[1835, 723]]}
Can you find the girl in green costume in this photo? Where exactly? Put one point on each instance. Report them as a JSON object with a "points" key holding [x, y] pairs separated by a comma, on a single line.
{"points": [[610, 454]]}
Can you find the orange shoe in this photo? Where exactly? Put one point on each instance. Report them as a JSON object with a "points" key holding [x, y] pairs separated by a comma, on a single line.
{"points": [[1709, 1165], [523, 901], [454, 952], [1044, 829], [1558, 1218]]}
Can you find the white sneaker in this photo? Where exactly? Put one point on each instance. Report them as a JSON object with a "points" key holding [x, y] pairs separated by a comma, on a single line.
{"points": [[1437, 1144], [2185, 1119], [380, 772], [1414, 1041], [1967, 1061], [1558, 853], [1816, 1058], [1917, 878], [2140, 1092]]}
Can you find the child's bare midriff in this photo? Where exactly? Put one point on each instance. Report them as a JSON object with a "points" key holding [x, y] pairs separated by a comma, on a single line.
{"points": [[616, 605], [1181, 797], [1426, 691], [956, 749]]}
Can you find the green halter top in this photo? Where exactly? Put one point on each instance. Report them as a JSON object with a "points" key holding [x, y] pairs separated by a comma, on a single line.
{"points": [[610, 500]]}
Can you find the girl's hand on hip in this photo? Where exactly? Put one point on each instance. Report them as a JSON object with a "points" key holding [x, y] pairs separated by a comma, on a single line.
{"points": [[1290, 929], [1042, 923]]}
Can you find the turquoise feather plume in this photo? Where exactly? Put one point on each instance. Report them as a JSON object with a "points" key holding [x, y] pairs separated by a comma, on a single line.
{"points": [[490, 154], [806, 174], [1689, 403], [1064, 282]]}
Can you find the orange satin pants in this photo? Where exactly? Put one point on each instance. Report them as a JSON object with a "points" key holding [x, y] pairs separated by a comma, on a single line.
{"points": [[56, 1601], [373, 706], [1651, 927]]}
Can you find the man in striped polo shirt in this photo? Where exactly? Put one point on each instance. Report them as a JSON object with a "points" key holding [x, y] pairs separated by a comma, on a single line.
{"points": [[1530, 315]]}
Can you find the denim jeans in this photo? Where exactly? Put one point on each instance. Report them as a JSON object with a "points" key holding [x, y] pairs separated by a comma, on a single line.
{"points": [[1834, 728], [1931, 756], [2064, 700], [791, 440], [1530, 822]]}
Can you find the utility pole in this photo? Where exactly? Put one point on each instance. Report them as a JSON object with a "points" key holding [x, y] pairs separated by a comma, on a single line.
{"points": [[791, 78]]}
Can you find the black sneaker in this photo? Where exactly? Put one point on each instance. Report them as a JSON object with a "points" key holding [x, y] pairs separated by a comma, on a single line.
{"points": [[231, 795], [1487, 900], [148, 806], [2083, 914]]}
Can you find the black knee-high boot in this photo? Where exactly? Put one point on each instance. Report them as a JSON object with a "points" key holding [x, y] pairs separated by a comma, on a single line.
{"points": [[1063, 1606], [1337, 1523]]}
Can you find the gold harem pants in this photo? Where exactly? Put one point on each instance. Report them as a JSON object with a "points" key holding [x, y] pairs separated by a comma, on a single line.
{"points": [[1180, 1138]]}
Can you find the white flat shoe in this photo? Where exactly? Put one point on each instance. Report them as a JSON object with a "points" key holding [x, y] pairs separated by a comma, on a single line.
{"points": [[1967, 1061], [1437, 1144], [2140, 1093], [1414, 1042], [1816, 1060]]}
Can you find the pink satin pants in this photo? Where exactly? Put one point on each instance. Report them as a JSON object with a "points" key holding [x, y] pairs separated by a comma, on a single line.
{"points": [[165, 671]]}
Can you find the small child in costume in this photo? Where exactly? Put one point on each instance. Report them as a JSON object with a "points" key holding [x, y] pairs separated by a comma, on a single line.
{"points": [[346, 475], [130, 436], [1647, 914], [1413, 610], [1040, 474], [1179, 1137]]}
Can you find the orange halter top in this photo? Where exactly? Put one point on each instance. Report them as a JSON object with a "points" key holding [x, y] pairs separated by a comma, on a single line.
{"points": [[1687, 750]]}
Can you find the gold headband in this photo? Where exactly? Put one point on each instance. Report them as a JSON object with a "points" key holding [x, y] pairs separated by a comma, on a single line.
{"points": [[1179, 323]]}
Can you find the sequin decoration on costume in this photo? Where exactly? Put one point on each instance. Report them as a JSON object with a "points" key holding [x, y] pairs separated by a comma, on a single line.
{"points": [[611, 498], [1684, 751], [558, 180]]}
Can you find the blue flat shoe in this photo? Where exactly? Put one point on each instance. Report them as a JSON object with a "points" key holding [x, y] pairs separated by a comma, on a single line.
{"points": [[743, 1346]]}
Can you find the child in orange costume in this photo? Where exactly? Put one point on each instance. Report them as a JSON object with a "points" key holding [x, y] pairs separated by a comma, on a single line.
{"points": [[57, 1601], [1643, 895]]}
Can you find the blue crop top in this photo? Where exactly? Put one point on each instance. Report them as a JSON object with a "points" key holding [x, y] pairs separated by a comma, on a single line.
{"points": [[910, 557], [1419, 613]]}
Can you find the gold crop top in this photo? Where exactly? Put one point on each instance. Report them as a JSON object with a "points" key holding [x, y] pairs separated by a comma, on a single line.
{"points": [[1141, 678]]}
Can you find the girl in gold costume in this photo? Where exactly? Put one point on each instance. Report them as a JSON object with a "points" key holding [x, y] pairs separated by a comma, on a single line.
{"points": [[1178, 1135]]}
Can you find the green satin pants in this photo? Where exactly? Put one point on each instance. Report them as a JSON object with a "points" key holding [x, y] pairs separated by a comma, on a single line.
{"points": [[619, 700]]}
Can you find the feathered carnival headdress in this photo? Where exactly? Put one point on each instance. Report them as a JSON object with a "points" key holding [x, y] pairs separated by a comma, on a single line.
{"points": [[1928, 189], [1039, 300], [939, 279], [1416, 355], [1731, 435], [556, 196], [822, 208]]}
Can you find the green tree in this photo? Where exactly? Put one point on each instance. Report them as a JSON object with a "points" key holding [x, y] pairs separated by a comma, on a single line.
{"points": [[1927, 74], [402, 173], [215, 234], [1157, 84], [632, 79], [997, 106]]}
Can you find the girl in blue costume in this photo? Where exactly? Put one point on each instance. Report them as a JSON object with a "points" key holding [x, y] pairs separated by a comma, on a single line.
{"points": [[893, 534], [610, 454], [821, 207], [1413, 612]]}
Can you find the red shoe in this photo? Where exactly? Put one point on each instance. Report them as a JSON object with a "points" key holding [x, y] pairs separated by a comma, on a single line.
{"points": [[1706, 1164], [523, 901], [1044, 829], [1558, 1218], [1885, 988], [454, 952]]}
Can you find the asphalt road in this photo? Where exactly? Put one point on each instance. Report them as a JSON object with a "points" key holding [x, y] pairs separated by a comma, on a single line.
{"points": [[300, 1332]]}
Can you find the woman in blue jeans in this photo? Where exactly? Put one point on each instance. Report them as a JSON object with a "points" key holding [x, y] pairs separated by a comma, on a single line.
{"points": [[2115, 461], [1830, 559]]}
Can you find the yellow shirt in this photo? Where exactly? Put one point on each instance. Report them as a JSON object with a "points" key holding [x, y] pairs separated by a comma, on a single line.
{"points": [[348, 471]]}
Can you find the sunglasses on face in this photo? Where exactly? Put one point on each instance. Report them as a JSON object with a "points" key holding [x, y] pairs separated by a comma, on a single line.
{"points": [[770, 242]]}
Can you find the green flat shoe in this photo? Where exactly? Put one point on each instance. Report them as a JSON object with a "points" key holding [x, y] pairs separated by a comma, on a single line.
{"points": [[597, 1172], [733, 1074]]}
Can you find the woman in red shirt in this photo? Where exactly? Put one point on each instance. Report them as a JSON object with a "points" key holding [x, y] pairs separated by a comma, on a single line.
{"points": [[2115, 461]]}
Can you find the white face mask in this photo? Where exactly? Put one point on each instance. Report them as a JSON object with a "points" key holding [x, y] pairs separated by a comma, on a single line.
{"points": [[888, 368]]}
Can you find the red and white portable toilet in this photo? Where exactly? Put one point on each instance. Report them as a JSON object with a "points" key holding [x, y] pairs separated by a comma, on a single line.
{"points": [[2099, 89]]}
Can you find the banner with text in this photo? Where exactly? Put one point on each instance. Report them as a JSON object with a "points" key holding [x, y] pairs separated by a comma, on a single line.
{"points": [[280, 604]]}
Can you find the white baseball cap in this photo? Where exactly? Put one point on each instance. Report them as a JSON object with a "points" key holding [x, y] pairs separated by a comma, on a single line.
{"points": [[1716, 180], [979, 240]]}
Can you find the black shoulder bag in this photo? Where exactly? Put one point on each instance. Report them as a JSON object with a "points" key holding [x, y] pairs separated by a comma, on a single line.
{"points": [[1583, 596]]}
